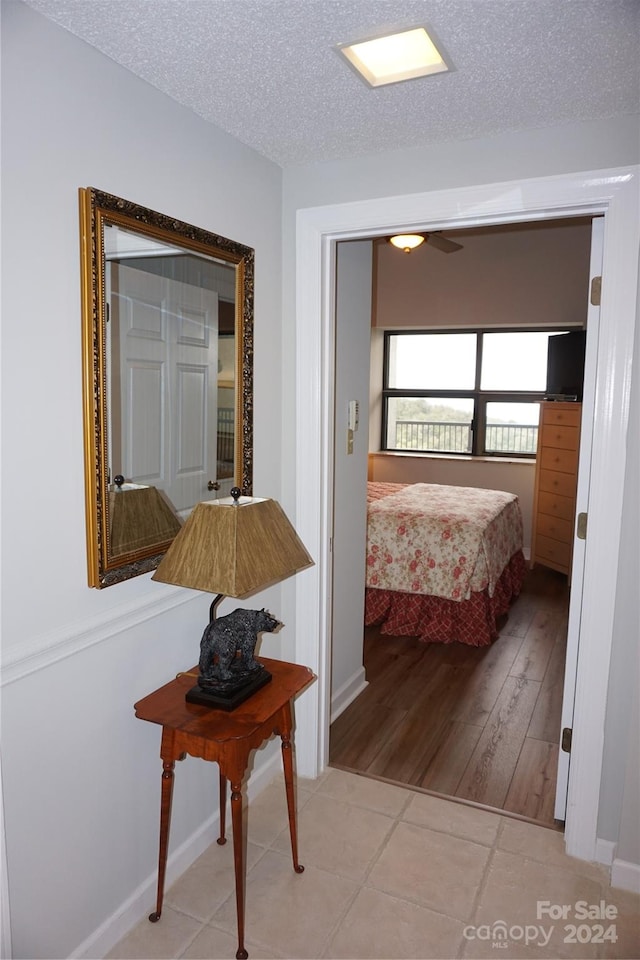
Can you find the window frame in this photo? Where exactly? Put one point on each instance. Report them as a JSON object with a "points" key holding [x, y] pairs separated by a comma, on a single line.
{"points": [[480, 398]]}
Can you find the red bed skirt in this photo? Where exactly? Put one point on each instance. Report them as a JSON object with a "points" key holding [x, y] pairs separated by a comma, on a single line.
{"points": [[436, 620]]}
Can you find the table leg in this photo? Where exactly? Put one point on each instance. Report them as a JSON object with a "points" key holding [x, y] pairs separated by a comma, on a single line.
{"points": [[223, 809], [239, 862], [287, 763], [165, 820]]}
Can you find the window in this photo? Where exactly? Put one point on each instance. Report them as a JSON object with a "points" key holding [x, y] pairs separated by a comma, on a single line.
{"points": [[476, 392]]}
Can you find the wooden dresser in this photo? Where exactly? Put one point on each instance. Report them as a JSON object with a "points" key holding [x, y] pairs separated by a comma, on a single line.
{"points": [[554, 497]]}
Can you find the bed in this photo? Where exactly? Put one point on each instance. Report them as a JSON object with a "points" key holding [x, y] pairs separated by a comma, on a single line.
{"points": [[443, 563]]}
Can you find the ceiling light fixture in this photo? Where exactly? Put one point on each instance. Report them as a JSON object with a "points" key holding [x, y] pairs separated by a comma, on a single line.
{"points": [[395, 57], [407, 241]]}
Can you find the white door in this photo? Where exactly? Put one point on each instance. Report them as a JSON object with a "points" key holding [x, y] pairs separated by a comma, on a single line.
{"points": [[582, 499], [164, 394], [193, 313]]}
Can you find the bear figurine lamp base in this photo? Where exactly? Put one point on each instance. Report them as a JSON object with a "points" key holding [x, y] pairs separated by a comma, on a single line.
{"points": [[228, 672], [232, 547]]}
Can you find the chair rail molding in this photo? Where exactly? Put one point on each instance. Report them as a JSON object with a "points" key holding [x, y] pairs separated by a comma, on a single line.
{"points": [[46, 649]]}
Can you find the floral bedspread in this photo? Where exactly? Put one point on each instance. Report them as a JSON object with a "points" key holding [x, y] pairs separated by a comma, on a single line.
{"points": [[442, 541]]}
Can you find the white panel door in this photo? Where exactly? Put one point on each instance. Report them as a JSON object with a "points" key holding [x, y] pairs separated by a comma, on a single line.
{"points": [[139, 329], [164, 395], [582, 500], [193, 314]]}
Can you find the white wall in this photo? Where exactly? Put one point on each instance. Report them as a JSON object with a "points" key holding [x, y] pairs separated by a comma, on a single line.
{"points": [[506, 158], [593, 145], [81, 776]]}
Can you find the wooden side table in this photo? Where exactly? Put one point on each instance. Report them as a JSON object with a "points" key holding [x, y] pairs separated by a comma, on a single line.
{"points": [[228, 738]]}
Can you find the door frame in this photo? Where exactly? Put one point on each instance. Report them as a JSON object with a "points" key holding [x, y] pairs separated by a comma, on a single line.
{"points": [[611, 193]]}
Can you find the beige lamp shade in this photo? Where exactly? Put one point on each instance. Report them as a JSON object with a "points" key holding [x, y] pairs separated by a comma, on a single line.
{"points": [[233, 548], [139, 517]]}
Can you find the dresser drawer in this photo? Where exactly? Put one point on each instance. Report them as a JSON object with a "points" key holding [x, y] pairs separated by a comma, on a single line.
{"points": [[553, 551], [555, 505], [566, 438], [555, 528], [561, 414], [561, 483], [565, 461], [556, 483]]}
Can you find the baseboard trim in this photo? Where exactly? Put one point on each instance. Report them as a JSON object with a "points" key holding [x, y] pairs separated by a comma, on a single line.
{"points": [[142, 901], [347, 693], [605, 852], [625, 875]]}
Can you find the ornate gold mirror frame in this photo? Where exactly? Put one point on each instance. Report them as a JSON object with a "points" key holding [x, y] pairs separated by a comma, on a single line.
{"points": [[167, 340]]}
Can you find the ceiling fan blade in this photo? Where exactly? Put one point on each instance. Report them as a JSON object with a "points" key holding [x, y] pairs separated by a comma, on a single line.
{"points": [[442, 243]]}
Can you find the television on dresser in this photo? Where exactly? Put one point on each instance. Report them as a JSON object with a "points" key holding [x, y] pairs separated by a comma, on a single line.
{"points": [[565, 365]]}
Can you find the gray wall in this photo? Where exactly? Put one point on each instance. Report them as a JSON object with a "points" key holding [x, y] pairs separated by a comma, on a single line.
{"points": [[529, 274], [81, 776], [619, 818], [353, 334]]}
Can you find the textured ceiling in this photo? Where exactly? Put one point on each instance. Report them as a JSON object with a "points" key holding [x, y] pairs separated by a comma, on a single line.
{"points": [[267, 72]]}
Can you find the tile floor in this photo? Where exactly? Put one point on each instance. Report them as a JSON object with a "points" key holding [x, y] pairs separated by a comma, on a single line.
{"points": [[390, 873]]}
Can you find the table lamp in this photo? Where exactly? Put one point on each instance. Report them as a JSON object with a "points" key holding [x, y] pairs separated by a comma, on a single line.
{"points": [[139, 517], [232, 547]]}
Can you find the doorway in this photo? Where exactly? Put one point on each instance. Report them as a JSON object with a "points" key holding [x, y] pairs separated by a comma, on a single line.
{"points": [[456, 720], [611, 193]]}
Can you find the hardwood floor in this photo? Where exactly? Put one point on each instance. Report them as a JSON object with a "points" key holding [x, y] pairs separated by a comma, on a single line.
{"points": [[481, 724]]}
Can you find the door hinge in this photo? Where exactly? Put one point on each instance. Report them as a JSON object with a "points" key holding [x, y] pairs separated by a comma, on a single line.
{"points": [[581, 531], [596, 291], [566, 739]]}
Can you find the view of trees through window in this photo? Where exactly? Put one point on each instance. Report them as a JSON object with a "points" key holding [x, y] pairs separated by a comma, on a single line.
{"points": [[476, 392], [438, 427]]}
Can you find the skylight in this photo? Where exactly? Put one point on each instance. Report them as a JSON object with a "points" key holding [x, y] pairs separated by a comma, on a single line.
{"points": [[395, 57]]}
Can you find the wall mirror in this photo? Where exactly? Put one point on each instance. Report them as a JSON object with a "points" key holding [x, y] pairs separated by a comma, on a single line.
{"points": [[168, 378]]}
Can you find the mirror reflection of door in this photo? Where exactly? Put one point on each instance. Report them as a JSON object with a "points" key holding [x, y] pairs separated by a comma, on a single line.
{"points": [[167, 338], [168, 428]]}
